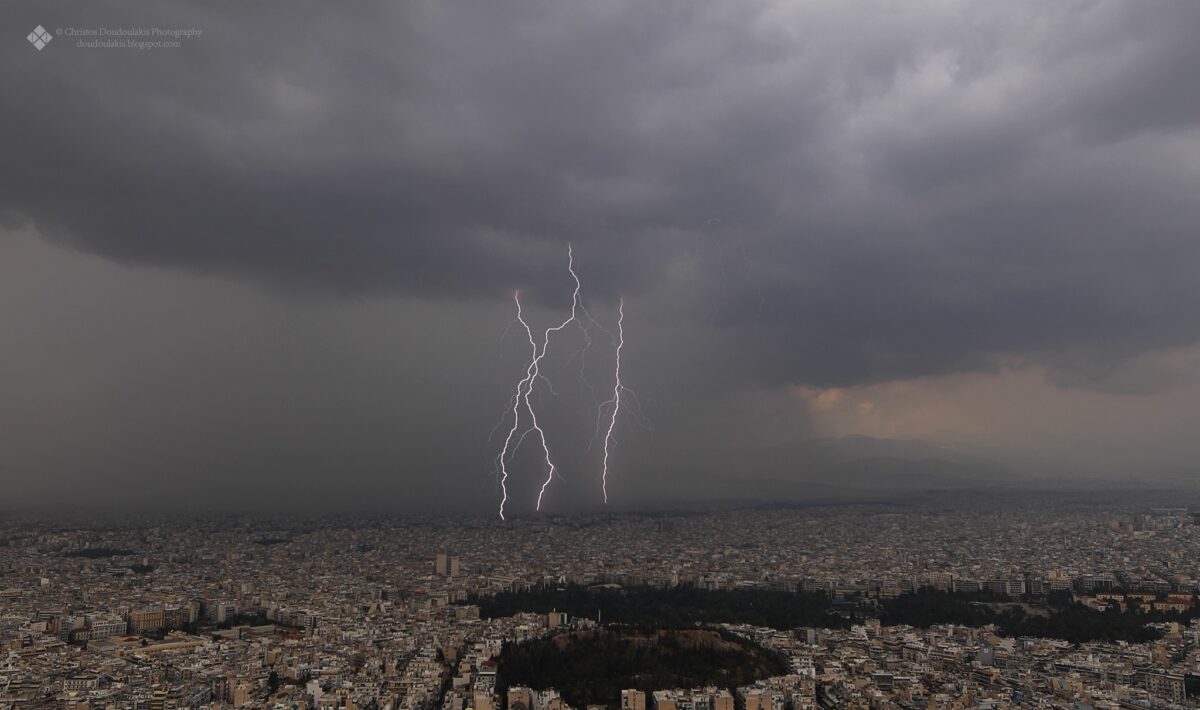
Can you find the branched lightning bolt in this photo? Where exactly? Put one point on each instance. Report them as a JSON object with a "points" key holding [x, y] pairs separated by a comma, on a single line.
{"points": [[525, 389], [616, 398]]}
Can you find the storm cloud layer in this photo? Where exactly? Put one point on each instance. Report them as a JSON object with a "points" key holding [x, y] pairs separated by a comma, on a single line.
{"points": [[792, 195]]}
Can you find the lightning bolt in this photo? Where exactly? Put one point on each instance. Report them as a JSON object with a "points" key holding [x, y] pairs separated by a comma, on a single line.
{"points": [[616, 398], [525, 389]]}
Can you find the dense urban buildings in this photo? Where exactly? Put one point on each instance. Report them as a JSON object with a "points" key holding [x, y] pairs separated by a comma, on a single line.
{"points": [[376, 613]]}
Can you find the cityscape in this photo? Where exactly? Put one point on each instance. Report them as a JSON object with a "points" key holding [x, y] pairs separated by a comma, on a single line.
{"points": [[283, 611], [599, 355]]}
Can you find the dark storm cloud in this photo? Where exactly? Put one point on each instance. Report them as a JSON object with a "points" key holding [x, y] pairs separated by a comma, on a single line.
{"points": [[830, 193]]}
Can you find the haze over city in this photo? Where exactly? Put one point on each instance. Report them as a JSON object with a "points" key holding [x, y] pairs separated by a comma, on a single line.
{"points": [[276, 263]]}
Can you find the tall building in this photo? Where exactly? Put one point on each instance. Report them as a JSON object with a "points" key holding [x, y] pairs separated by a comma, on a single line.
{"points": [[447, 565]]}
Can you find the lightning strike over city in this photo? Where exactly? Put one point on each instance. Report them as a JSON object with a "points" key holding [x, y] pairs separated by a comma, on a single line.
{"points": [[523, 405]]}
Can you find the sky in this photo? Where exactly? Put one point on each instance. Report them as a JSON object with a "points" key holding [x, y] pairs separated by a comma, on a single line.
{"points": [[276, 262]]}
